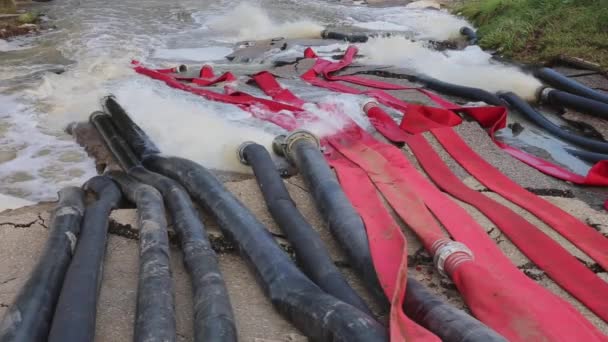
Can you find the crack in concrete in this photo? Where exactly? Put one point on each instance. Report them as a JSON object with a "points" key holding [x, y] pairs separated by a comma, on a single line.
{"points": [[219, 243], [7, 280], [385, 74], [298, 186], [596, 226], [591, 265], [19, 225], [544, 192], [42, 221]]}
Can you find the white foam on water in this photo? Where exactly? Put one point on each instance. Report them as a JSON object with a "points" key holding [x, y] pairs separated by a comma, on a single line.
{"points": [[12, 202], [73, 95], [336, 112], [424, 4], [6, 46], [212, 53], [469, 67], [424, 24], [43, 158], [248, 22], [191, 127], [382, 26]]}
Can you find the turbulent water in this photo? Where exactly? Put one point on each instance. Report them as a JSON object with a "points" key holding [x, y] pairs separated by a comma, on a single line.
{"points": [[94, 43]]}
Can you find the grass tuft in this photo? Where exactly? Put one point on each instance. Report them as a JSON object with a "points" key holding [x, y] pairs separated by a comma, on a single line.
{"points": [[540, 30]]}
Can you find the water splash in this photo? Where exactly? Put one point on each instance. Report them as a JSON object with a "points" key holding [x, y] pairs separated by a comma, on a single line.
{"points": [[249, 22], [469, 67]]}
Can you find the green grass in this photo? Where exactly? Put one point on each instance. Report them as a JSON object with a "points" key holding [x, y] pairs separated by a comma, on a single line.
{"points": [[540, 30]]}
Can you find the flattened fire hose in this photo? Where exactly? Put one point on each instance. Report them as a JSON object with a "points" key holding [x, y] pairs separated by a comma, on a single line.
{"points": [[524, 108], [564, 83], [74, 318], [213, 316], [444, 320], [318, 315], [29, 318], [155, 314], [312, 255]]}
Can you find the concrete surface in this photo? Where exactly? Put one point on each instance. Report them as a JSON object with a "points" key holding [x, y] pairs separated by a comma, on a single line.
{"points": [[23, 233]]}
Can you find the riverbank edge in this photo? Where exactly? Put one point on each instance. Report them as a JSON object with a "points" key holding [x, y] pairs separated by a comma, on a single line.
{"points": [[555, 32]]}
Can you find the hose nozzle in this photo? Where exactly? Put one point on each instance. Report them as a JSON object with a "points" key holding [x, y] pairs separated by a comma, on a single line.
{"points": [[283, 144], [371, 103], [241, 152]]}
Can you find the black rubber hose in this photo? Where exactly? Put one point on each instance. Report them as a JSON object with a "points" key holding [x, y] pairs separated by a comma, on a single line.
{"points": [[576, 102], [75, 314], [344, 223], [213, 316], [444, 320], [470, 34], [114, 142], [155, 314], [141, 145], [349, 37], [318, 315], [592, 157], [559, 81], [29, 317], [310, 252], [523, 107], [469, 93]]}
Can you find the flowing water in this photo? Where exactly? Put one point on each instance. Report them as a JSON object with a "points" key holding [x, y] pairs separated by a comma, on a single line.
{"points": [[95, 42]]}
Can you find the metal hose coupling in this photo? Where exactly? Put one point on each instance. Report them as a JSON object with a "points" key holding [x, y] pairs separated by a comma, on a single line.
{"points": [[241, 152], [543, 94], [448, 255], [371, 103], [283, 145]]}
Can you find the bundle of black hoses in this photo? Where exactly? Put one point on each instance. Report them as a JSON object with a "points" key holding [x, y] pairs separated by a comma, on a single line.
{"points": [[559, 81], [29, 317], [320, 316], [447, 322], [579, 103], [74, 318], [213, 316], [155, 314], [310, 252], [595, 146]]}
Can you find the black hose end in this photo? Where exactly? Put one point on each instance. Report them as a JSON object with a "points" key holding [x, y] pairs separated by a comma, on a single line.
{"points": [[470, 34], [182, 68], [283, 144], [277, 145], [97, 114], [241, 151], [543, 94]]}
